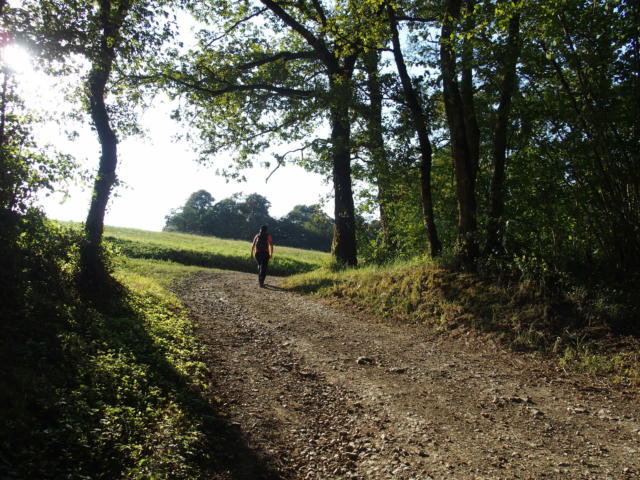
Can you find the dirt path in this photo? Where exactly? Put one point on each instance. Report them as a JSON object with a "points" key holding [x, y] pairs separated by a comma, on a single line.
{"points": [[311, 392]]}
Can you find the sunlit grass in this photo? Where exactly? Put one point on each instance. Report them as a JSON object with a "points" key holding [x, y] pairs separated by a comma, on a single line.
{"points": [[236, 248], [208, 252], [147, 272]]}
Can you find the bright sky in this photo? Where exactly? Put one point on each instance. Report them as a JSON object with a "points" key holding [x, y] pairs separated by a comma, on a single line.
{"points": [[159, 175]]}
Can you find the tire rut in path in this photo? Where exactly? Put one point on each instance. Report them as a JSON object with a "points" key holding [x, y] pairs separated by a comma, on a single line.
{"points": [[415, 406]]}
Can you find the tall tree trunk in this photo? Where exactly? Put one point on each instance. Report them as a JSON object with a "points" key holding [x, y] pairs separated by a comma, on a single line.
{"points": [[466, 94], [495, 227], [3, 108], [462, 156], [106, 176], [376, 146], [340, 75], [420, 123], [344, 246], [93, 270]]}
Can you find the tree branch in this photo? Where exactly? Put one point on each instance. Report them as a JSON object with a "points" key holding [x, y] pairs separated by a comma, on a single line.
{"points": [[288, 92], [281, 158], [316, 43], [407, 18], [276, 57], [235, 25], [320, 11]]}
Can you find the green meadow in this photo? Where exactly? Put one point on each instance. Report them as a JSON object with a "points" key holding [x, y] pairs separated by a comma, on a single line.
{"points": [[208, 252]]}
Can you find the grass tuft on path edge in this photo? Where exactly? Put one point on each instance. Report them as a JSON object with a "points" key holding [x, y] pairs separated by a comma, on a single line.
{"points": [[517, 314]]}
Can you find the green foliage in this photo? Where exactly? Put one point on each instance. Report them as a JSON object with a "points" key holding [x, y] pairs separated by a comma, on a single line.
{"points": [[60, 30], [572, 182], [26, 168], [593, 358], [260, 87], [405, 222], [92, 393]]}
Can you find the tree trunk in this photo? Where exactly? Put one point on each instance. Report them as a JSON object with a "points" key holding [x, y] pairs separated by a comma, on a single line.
{"points": [[495, 227], [344, 233], [376, 147], [340, 98], [462, 156], [5, 183], [93, 269], [420, 123], [3, 109], [92, 264], [466, 95]]}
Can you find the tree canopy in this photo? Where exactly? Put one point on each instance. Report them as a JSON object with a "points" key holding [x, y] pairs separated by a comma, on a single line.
{"points": [[472, 129]]}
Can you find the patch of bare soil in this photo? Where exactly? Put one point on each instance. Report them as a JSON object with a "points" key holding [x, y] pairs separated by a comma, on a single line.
{"points": [[310, 391]]}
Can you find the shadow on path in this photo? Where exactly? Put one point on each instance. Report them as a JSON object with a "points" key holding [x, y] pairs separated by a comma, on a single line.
{"points": [[273, 287], [230, 455]]}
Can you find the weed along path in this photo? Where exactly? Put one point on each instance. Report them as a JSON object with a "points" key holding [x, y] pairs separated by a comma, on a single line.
{"points": [[315, 392]]}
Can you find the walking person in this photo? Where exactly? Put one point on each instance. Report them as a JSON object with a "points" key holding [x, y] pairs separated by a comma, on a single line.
{"points": [[262, 251]]}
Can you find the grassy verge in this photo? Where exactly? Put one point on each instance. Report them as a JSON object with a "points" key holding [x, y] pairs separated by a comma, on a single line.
{"points": [[162, 274], [209, 252], [101, 394], [517, 314]]}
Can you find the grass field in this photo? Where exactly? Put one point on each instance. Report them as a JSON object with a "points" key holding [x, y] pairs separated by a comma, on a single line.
{"points": [[209, 252]]}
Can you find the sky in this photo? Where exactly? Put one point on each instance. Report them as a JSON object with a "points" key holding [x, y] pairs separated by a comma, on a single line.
{"points": [[158, 173]]}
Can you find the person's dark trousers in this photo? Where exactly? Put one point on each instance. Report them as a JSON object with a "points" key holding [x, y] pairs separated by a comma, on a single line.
{"points": [[263, 261]]}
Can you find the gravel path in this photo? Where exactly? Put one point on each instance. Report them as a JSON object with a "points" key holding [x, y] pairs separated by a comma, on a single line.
{"points": [[309, 391]]}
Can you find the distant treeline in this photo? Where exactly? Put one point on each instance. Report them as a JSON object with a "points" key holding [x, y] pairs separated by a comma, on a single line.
{"points": [[238, 217]]}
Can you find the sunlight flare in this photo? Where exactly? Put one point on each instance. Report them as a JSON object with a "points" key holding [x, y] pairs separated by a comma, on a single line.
{"points": [[17, 58]]}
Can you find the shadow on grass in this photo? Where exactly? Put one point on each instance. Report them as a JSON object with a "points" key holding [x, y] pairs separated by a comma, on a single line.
{"points": [[224, 448], [313, 285], [89, 395]]}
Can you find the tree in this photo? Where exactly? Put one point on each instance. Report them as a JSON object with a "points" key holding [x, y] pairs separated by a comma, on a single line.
{"points": [[591, 57], [495, 224], [302, 69], [237, 217], [463, 131], [111, 17], [376, 144], [226, 220], [256, 211], [26, 168], [417, 114], [110, 35], [193, 216], [312, 219]]}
